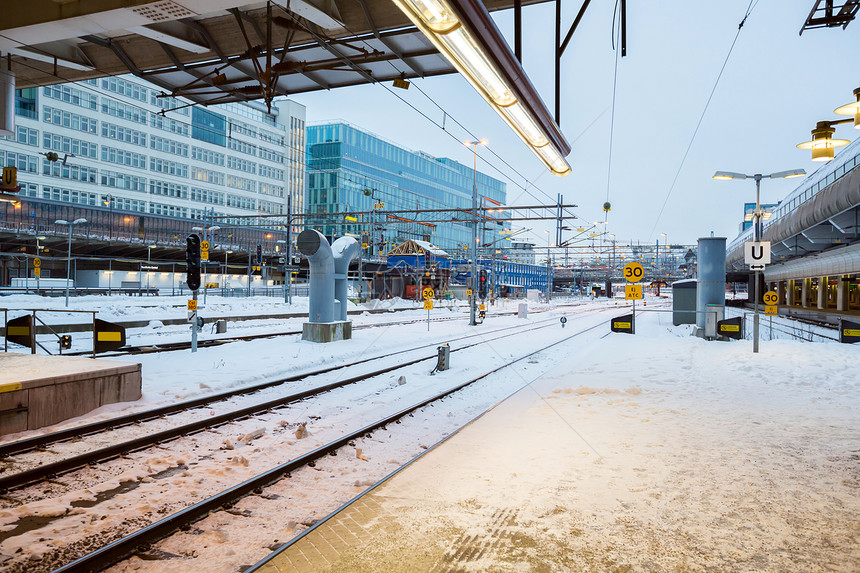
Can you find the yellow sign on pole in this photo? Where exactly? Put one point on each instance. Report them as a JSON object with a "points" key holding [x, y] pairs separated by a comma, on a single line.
{"points": [[428, 293], [468, 292], [428, 305], [633, 272], [37, 271], [192, 305], [37, 262], [770, 298], [482, 306], [204, 246], [771, 309], [633, 292]]}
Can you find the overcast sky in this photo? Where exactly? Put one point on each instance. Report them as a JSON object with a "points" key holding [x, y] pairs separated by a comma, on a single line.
{"points": [[775, 86]]}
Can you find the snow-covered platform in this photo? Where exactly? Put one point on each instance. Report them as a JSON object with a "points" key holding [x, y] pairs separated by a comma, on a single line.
{"points": [[649, 452], [37, 390]]}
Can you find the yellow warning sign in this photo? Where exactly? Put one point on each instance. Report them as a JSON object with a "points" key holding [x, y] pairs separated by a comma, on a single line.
{"points": [[625, 325], [482, 306], [851, 332], [771, 309], [192, 305], [770, 298], [37, 271], [468, 292], [108, 336], [37, 262], [730, 328], [633, 272], [428, 305], [633, 292], [204, 246], [427, 293]]}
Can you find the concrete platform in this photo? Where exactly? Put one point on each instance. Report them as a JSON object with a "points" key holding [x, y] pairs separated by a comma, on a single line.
{"points": [[37, 391]]}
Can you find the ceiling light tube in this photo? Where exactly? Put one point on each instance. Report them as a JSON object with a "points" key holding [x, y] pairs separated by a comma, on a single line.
{"points": [[553, 159], [442, 25], [520, 118]]}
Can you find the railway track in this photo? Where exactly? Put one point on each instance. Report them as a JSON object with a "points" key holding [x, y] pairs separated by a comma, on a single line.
{"points": [[131, 350], [393, 421]]}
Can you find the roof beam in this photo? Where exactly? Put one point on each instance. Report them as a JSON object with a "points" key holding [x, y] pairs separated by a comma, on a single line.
{"points": [[174, 34]]}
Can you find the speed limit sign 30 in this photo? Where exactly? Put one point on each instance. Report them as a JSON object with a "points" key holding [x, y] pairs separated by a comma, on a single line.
{"points": [[633, 272], [770, 297]]}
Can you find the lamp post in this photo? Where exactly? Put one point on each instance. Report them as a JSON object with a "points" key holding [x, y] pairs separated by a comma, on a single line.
{"points": [[757, 223], [108, 202], [474, 272], [69, 257]]}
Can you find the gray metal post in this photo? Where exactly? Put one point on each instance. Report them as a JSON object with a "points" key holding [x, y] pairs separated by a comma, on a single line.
{"points": [[757, 222], [194, 324], [68, 264], [474, 281], [288, 268]]}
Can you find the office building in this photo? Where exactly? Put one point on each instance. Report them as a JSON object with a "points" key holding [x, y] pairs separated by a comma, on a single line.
{"points": [[351, 170], [121, 143]]}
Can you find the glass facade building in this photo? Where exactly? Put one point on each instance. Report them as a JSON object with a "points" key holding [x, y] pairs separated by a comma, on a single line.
{"points": [[352, 170]]}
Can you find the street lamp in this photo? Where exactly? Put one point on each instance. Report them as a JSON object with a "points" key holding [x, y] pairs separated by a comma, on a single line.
{"points": [[69, 257], [474, 273], [791, 173], [108, 202]]}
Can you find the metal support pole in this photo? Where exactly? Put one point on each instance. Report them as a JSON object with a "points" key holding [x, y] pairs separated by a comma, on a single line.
{"points": [[68, 265], [757, 222], [289, 267], [558, 62], [474, 274], [194, 324], [518, 30]]}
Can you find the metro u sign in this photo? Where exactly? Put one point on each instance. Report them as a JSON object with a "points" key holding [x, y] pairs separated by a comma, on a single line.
{"points": [[757, 253]]}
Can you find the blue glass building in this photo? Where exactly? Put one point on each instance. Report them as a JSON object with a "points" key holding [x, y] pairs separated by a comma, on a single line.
{"points": [[352, 170]]}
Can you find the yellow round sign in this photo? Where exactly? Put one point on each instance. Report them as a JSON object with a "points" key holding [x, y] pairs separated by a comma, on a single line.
{"points": [[428, 293], [633, 272], [37, 262], [204, 246], [770, 297]]}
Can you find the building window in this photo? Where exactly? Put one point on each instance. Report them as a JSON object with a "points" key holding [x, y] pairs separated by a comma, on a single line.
{"points": [[25, 103], [208, 126]]}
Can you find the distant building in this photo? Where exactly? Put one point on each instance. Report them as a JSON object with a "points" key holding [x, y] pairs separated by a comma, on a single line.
{"points": [[121, 144], [351, 170], [518, 252], [749, 214]]}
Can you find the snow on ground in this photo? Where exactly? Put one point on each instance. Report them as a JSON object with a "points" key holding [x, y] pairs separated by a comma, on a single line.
{"points": [[653, 452]]}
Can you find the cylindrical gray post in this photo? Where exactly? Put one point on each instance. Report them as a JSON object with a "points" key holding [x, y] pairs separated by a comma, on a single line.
{"points": [[343, 250], [712, 276], [315, 247]]}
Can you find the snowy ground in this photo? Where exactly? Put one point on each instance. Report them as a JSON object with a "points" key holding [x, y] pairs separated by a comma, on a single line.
{"points": [[653, 452]]}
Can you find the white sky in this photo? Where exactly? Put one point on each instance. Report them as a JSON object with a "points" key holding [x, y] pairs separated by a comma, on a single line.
{"points": [[776, 85]]}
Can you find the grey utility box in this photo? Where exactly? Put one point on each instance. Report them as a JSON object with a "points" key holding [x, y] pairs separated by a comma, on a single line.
{"points": [[684, 302]]}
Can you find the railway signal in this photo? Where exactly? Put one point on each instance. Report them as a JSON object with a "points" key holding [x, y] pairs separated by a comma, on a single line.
{"points": [[259, 254], [192, 261], [482, 284]]}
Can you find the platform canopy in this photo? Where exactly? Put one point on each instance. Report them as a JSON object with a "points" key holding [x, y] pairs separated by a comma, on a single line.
{"points": [[221, 51]]}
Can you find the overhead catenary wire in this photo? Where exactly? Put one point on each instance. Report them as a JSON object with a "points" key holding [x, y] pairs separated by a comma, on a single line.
{"points": [[750, 8]]}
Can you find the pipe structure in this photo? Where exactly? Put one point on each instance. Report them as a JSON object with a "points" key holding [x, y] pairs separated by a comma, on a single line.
{"points": [[315, 247], [344, 250]]}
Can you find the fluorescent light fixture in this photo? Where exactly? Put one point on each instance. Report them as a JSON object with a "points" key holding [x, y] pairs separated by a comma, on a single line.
{"points": [[852, 108], [442, 25]]}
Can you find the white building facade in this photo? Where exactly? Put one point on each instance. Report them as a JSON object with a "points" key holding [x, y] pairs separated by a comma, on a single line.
{"points": [[120, 143]]}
